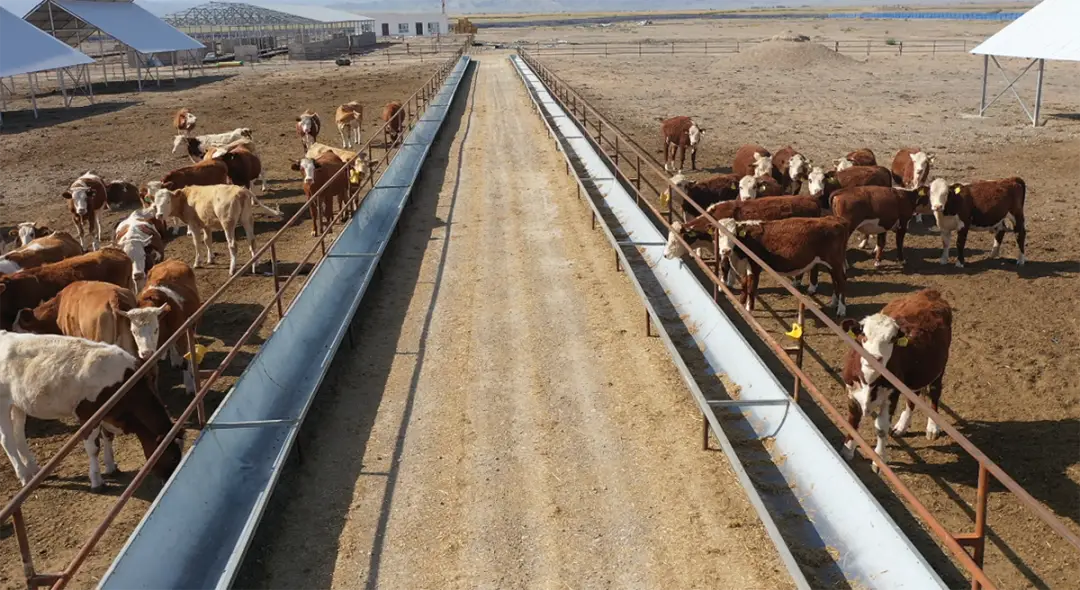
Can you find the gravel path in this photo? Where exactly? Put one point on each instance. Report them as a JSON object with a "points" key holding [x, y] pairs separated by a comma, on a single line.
{"points": [[525, 433]]}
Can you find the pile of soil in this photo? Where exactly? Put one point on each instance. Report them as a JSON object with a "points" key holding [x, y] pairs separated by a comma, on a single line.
{"points": [[789, 55], [788, 36]]}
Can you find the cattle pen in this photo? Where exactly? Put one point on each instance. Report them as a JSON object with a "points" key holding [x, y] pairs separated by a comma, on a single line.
{"points": [[507, 413]]}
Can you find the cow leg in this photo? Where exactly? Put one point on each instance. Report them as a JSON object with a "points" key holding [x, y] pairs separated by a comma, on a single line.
{"points": [[864, 241], [753, 278], [18, 428], [108, 457], [854, 417], [230, 240], [91, 446], [881, 430], [693, 158], [82, 239], [1021, 238], [176, 360], [667, 161], [208, 241], [11, 446], [96, 220], [998, 237], [879, 250], [682, 156], [946, 240], [961, 241], [248, 222], [904, 422], [344, 141], [934, 393], [813, 281], [839, 280], [901, 232], [262, 178], [196, 238]]}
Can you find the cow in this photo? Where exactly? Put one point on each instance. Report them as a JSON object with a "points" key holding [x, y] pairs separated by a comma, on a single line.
{"points": [[203, 173], [307, 127], [170, 297], [140, 239], [86, 309], [322, 174], [791, 247], [790, 169], [875, 210], [752, 160], [201, 207], [28, 231], [859, 157], [51, 248], [86, 196], [911, 337], [752, 187], [823, 184], [28, 288], [722, 187], [82, 375], [988, 205], [122, 194], [184, 122], [395, 119], [349, 118], [244, 166], [197, 147], [680, 133], [362, 164], [911, 168]]}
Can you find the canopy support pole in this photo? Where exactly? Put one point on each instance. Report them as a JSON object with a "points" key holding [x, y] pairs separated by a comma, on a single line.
{"points": [[1038, 94], [986, 69], [33, 94], [1009, 87]]}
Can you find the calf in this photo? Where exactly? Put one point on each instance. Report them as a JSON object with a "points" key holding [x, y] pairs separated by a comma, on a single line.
{"points": [[319, 173], [52, 248], [395, 117], [201, 207], [824, 184], [85, 197], [911, 168], [140, 239], [911, 337], [349, 118], [28, 288], [243, 165], [170, 297], [28, 231], [204, 173], [752, 187], [307, 127], [790, 169], [184, 122], [722, 187], [859, 157], [988, 205], [680, 133], [791, 247], [197, 147], [752, 160], [874, 210], [85, 309], [81, 376], [122, 194]]}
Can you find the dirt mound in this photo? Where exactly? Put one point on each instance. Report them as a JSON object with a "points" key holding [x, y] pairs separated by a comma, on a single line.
{"points": [[789, 55], [788, 36]]}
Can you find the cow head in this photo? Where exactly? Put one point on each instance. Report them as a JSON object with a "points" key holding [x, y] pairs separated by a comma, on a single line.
{"points": [[306, 124], [921, 164], [189, 120], [678, 180], [363, 166], [134, 244], [162, 203], [245, 132], [726, 245], [146, 327], [674, 248], [27, 231], [80, 198], [798, 167], [879, 336], [762, 165], [748, 188], [843, 163], [939, 194], [307, 166], [695, 135]]}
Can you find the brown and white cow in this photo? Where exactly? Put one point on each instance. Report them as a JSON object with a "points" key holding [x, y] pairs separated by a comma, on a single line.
{"points": [[86, 196], [823, 184], [244, 166], [308, 126], [28, 288], [184, 122], [752, 187], [790, 169], [170, 297], [202, 207], [202, 173], [988, 205], [791, 247], [752, 160], [911, 337], [875, 210], [395, 116], [198, 146], [123, 194], [52, 248], [349, 118], [27, 232], [680, 133], [140, 239], [911, 168], [321, 174], [722, 187], [84, 309], [859, 157]]}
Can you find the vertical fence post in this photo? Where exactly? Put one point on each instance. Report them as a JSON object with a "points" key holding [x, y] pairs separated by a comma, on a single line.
{"points": [[867, 47], [672, 48], [933, 47], [637, 175], [706, 48], [605, 49], [836, 46], [716, 263], [980, 521], [901, 48], [616, 150], [639, 48]]}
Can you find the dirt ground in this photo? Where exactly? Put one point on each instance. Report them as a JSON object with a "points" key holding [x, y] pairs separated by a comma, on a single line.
{"points": [[127, 135], [507, 423], [1011, 385]]}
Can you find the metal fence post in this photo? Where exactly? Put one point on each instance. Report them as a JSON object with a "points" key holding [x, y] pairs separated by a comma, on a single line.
{"points": [[933, 48], [639, 48], [867, 47], [836, 46]]}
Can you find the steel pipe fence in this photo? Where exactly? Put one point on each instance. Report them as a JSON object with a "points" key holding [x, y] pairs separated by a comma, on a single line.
{"points": [[721, 47]]}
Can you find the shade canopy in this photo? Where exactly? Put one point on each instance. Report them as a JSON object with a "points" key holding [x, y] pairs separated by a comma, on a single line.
{"points": [[26, 49], [123, 20], [1047, 31]]}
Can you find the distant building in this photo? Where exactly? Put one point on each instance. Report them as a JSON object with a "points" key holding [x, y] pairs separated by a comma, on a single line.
{"points": [[416, 24]]}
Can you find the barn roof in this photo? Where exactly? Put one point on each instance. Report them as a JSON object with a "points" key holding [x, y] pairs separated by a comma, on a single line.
{"points": [[123, 20], [1047, 31], [25, 49]]}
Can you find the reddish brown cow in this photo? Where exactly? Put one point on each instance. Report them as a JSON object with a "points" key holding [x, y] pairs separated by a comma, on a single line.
{"points": [[875, 210], [170, 297], [320, 172], [122, 194], [86, 196], [859, 157], [244, 166], [791, 247], [911, 168], [85, 309], [202, 173], [911, 336], [752, 160], [678, 134], [824, 184], [30, 287], [722, 187], [790, 169], [752, 187], [988, 205], [51, 248], [308, 126], [184, 122], [393, 114]]}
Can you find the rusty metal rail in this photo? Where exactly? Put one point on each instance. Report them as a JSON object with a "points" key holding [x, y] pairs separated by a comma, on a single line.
{"points": [[414, 106], [623, 151]]}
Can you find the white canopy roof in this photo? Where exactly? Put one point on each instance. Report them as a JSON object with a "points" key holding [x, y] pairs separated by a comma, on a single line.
{"points": [[25, 49], [123, 20], [1047, 31]]}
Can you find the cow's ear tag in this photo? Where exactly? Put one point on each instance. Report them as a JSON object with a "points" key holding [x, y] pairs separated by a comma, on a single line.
{"points": [[902, 341], [852, 334], [734, 186], [922, 192], [796, 332], [956, 190], [742, 233]]}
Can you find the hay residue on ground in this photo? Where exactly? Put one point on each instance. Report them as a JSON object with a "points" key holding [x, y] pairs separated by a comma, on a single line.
{"points": [[783, 54]]}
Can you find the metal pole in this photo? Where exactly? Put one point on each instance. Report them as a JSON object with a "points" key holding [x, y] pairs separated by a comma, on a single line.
{"points": [[986, 68], [1038, 94], [101, 51], [980, 522]]}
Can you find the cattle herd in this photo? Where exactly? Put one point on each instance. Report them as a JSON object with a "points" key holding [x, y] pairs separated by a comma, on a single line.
{"points": [[76, 322], [760, 205]]}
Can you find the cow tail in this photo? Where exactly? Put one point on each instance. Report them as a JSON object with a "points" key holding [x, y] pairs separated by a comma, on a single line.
{"points": [[255, 201]]}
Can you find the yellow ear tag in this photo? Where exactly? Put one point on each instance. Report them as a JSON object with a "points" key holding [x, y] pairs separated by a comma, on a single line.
{"points": [[200, 352], [956, 190], [902, 341], [734, 186], [741, 233], [852, 334], [922, 192], [665, 198], [354, 176], [796, 332]]}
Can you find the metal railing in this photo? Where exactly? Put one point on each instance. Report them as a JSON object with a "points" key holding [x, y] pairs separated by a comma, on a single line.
{"points": [[625, 152], [720, 47], [413, 107]]}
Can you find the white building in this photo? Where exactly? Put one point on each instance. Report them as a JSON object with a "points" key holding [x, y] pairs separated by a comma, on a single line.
{"points": [[416, 24]]}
